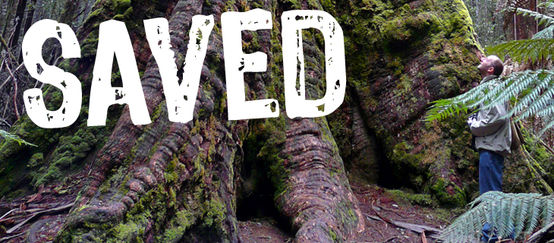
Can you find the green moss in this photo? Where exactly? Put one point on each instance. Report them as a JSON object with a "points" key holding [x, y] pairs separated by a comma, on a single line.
{"points": [[88, 46], [151, 207], [69, 154], [184, 219], [36, 160], [173, 213], [385, 39], [401, 154], [412, 198], [272, 132], [328, 5], [215, 212], [132, 231], [121, 10], [448, 194], [295, 3], [333, 235]]}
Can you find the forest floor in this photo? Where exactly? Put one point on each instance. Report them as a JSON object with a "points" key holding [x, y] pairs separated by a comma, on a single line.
{"points": [[388, 216]]}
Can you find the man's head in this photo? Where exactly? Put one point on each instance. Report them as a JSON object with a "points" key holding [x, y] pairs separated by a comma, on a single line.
{"points": [[491, 65]]}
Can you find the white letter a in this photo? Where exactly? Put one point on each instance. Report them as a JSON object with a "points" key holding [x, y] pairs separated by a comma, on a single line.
{"points": [[114, 39]]}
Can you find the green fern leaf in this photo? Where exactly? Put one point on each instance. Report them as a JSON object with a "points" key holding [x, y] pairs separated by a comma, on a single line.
{"points": [[548, 212], [534, 216], [542, 18], [548, 4], [8, 136], [508, 213], [531, 96], [534, 89], [525, 50], [540, 103]]}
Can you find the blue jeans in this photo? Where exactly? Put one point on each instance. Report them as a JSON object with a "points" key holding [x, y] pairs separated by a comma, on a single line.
{"points": [[490, 179], [490, 171]]}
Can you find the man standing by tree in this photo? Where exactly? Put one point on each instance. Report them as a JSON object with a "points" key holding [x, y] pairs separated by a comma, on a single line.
{"points": [[492, 137], [492, 132]]}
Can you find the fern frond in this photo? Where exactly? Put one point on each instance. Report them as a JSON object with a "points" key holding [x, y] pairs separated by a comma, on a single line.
{"points": [[494, 90], [13, 137], [539, 104], [548, 4], [508, 213], [524, 50], [547, 112], [535, 49], [541, 18], [548, 212], [532, 95], [546, 33], [520, 224], [514, 84], [535, 209], [445, 108], [473, 95], [538, 86]]}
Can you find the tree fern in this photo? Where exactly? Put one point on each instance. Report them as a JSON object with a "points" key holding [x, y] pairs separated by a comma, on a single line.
{"points": [[15, 138], [543, 19], [546, 33], [524, 50], [508, 213], [535, 90], [540, 47]]}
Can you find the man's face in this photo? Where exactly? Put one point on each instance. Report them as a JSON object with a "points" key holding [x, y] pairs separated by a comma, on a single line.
{"points": [[485, 67]]}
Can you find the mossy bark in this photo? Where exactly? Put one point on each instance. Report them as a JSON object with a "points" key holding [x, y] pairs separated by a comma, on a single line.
{"points": [[401, 56]]}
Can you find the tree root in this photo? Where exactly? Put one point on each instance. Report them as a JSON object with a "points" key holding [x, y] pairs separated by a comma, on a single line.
{"points": [[318, 197]]}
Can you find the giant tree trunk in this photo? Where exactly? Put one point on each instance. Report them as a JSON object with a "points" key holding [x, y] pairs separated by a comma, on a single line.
{"points": [[171, 181]]}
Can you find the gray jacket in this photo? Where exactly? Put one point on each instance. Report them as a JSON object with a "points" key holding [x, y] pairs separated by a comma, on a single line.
{"points": [[491, 131]]}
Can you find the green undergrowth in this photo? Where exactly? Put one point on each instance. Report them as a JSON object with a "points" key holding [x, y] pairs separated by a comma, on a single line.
{"points": [[404, 197], [519, 177]]}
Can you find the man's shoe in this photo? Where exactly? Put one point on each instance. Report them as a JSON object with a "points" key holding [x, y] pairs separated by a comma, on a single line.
{"points": [[488, 234]]}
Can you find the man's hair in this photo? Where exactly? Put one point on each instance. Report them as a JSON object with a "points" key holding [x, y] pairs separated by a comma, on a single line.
{"points": [[497, 64]]}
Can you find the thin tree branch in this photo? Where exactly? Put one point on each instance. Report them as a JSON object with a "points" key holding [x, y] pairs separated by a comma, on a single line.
{"points": [[5, 44], [6, 214], [53, 210], [5, 122], [2, 64], [15, 99], [9, 77], [539, 234], [15, 91], [5, 109], [11, 237]]}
